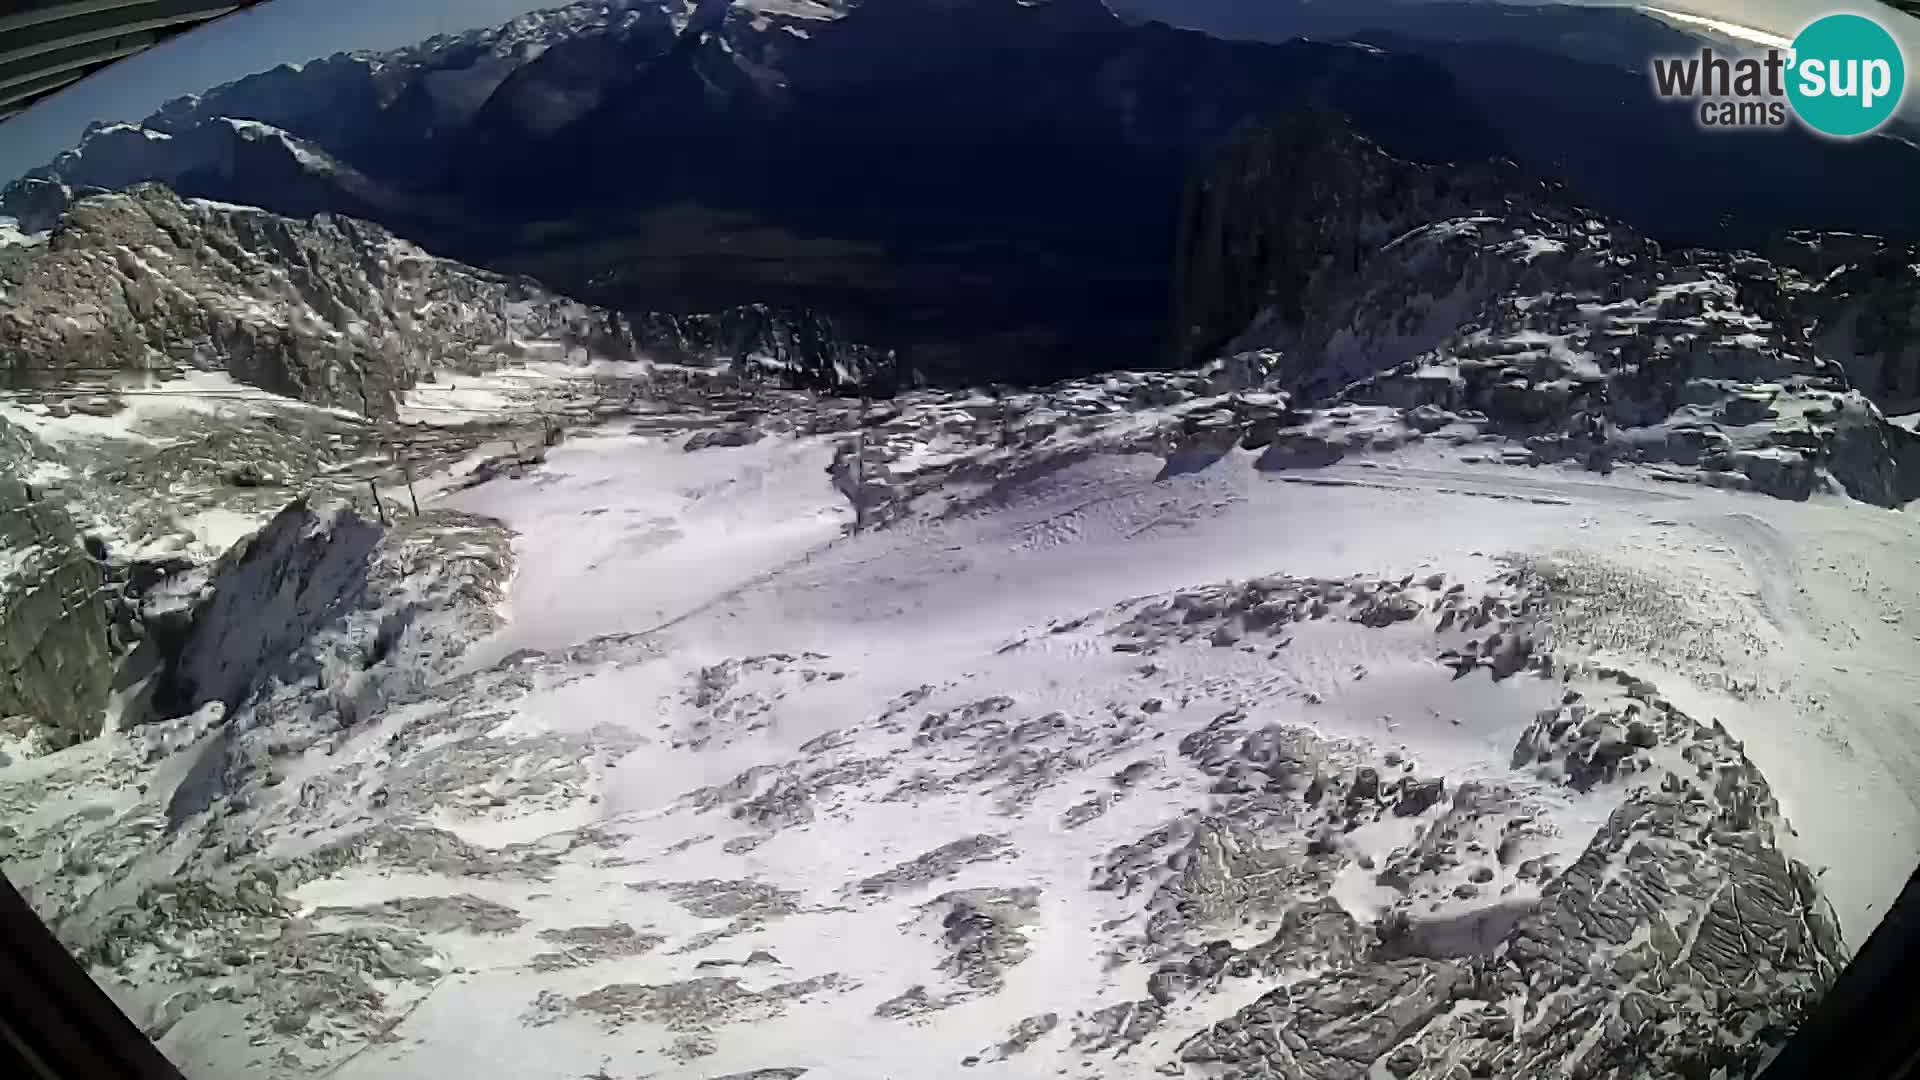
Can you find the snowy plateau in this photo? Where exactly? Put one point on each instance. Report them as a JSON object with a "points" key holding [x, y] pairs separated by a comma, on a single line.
{"points": [[1498, 664], [630, 759]]}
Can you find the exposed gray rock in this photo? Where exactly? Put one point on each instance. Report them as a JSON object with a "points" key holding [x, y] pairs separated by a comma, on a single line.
{"points": [[583, 945], [942, 862], [333, 311], [983, 933], [435, 914], [713, 899], [1116, 1028], [1444, 292], [57, 657], [789, 347], [1333, 1026], [1416, 796], [1023, 1035], [688, 1005]]}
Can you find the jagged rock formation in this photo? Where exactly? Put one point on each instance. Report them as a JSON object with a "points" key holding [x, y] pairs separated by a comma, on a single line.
{"points": [[1288, 217], [1469, 294], [792, 348], [297, 664], [1859, 298], [339, 312], [332, 311], [320, 621], [1678, 887], [37, 202]]}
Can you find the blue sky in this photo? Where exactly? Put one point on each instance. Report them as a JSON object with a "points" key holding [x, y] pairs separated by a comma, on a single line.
{"points": [[274, 33], [291, 31]]}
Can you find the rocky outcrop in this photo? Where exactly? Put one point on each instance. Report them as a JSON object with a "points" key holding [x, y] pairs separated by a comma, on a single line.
{"points": [[318, 622], [1466, 295], [792, 348], [332, 311], [36, 202], [322, 600], [263, 602], [1634, 960], [1289, 216], [1859, 297], [57, 652]]}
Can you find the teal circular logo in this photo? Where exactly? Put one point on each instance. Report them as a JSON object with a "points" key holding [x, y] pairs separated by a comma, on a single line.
{"points": [[1846, 75]]}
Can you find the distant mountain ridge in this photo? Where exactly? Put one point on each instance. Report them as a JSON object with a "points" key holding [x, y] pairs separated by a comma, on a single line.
{"points": [[990, 187], [1567, 90], [993, 184]]}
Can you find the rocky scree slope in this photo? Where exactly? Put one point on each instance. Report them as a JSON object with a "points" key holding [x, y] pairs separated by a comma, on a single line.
{"points": [[1449, 293]]}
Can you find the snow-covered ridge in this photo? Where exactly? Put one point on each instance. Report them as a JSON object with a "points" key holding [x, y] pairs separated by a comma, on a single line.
{"points": [[483, 55]]}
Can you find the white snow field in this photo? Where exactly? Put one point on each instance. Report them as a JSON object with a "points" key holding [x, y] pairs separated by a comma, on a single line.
{"points": [[886, 805]]}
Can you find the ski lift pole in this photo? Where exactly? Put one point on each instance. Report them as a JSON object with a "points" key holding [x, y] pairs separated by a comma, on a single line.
{"points": [[406, 473], [860, 468], [373, 486]]}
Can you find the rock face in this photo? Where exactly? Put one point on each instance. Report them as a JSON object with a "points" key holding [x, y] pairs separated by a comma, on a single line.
{"points": [[1289, 216], [790, 347], [320, 621], [37, 202], [265, 599], [56, 654], [1468, 294], [1859, 297], [332, 311]]}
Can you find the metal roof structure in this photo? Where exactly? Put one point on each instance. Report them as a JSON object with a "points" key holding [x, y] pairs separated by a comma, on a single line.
{"points": [[47, 44]]}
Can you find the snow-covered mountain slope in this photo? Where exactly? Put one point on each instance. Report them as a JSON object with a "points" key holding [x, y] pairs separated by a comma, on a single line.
{"points": [[1420, 686], [435, 84], [1069, 750]]}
